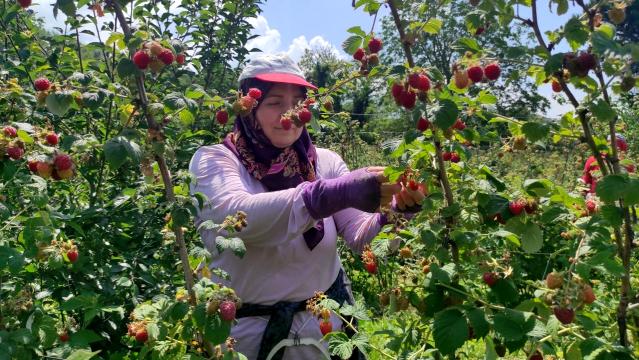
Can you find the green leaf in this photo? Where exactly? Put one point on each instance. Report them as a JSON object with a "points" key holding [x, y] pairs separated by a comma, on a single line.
{"points": [[119, 149], [602, 111], [513, 325], [59, 102], [126, 68], [10, 258], [562, 7], [352, 43], [612, 187], [446, 114], [83, 338], [469, 44], [535, 131], [234, 244], [357, 311], [356, 30], [529, 234], [339, 344], [450, 330], [67, 7], [491, 204], [477, 318], [538, 187], [554, 64], [613, 214], [216, 330], [492, 179], [83, 354], [433, 26], [576, 33], [444, 274]]}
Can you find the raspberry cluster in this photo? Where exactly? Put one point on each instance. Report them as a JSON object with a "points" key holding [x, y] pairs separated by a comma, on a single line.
{"points": [[406, 92], [369, 56], [155, 57], [475, 74]]}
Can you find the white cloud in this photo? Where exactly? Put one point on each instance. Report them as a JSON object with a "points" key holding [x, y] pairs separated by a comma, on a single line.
{"points": [[269, 41]]}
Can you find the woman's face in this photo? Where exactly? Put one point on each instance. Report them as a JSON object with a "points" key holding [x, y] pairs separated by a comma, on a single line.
{"points": [[281, 98]]}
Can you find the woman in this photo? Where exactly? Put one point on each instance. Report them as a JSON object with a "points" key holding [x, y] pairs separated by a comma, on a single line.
{"points": [[297, 198]]}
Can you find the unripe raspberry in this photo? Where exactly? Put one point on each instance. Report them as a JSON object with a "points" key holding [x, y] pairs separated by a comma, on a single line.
{"points": [[461, 79]]}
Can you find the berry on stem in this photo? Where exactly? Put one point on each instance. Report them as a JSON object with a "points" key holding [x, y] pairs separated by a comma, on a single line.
{"points": [[10, 131], [326, 327], [490, 278], [423, 124], [52, 138], [492, 71], [166, 56], [371, 267], [475, 73], [141, 59], [359, 54], [255, 93], [42, 84], [374, 45], [564, 315], [556, 86], [72, 255], [142, 336], [227, 310]]}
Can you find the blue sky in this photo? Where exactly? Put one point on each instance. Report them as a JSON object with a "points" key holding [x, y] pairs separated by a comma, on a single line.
{"points": [[294, 25]]}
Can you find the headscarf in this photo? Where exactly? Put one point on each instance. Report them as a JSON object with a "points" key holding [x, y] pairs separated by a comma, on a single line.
{"points": [[276, 168]]}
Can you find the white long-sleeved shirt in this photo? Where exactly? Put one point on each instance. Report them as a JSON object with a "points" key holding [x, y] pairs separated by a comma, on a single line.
{"points": [[278, 265]]}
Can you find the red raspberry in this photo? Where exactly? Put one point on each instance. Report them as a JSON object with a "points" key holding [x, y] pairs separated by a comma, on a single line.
{"points": [[475, 73], [556, 86], [446, 155], [64, 336], [166, 56], [52, 139], [423, 83], [63, 162], [286, 123], [42, 84], [490, 278], [305, 116], [408, 99], [480, 30], [359, 54], [374, 45], [413, 185], [454, 157], [492, 71], [516, 207], [630, 168], [142, 336], [72, 255], [591, 205], [33, 165], [255, 93], [423, 124], [459, 125], [565, 315], [371, 267], [222, 117], [10, 131], [587, 61], [24, 3], [536, 356], [141, 59], [227, 310], [180, 59], [326, 327], [397, 90], [15, 152], [413, 80]]}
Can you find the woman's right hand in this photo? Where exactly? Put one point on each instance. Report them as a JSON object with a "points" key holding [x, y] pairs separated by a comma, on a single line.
{"points": [[388, 190]]}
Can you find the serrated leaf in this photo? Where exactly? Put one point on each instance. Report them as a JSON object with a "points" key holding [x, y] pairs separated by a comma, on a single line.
{"points": [[538, 187], [447, 114], [59, 102], [82, 354], [339, 344], [450, 330], [612, 187], [477, 319], [513, 325], [236, 245], [535, 131], [433, 26], [576, 33], [119, 149], [602, 110], [529, 234], [352, 43], [126, 68], [357, 311]]}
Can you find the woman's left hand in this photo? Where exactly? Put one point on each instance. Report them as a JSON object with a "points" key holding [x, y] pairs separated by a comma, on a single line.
{"points": [[409, 198]]}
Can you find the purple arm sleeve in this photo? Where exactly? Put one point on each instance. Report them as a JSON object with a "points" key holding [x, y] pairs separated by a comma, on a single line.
{"points": [[358, 189]]}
